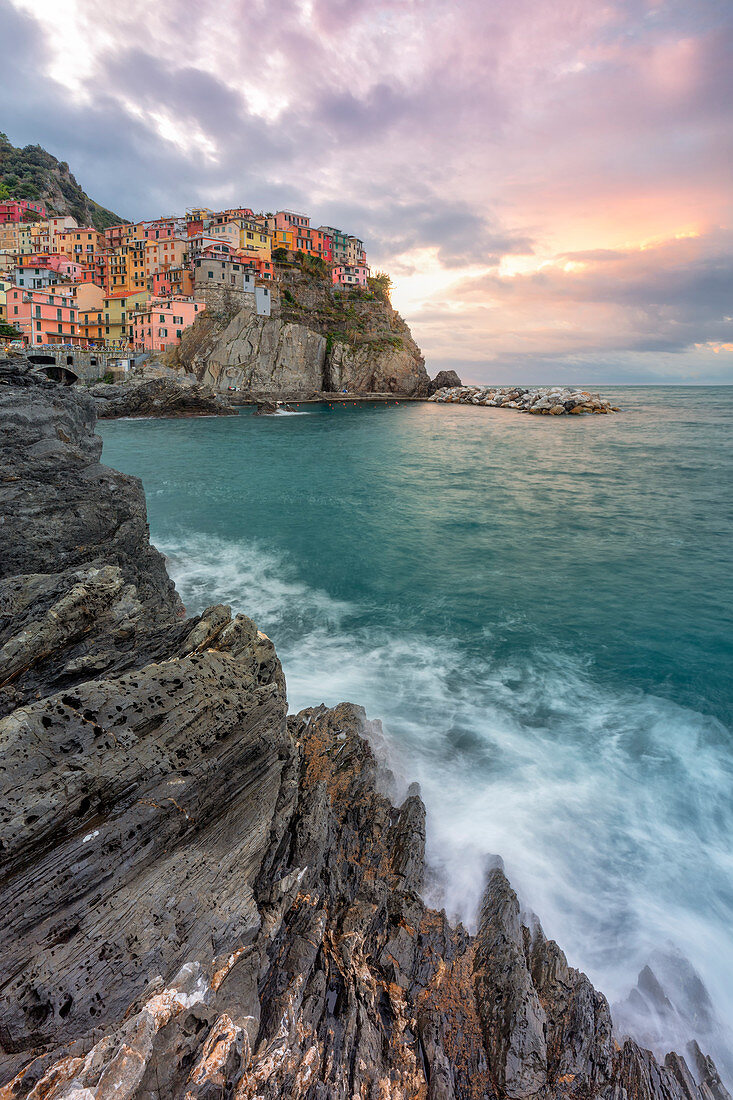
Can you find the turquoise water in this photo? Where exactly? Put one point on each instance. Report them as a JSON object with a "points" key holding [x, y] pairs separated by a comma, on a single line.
{"points": [[540, 611]]}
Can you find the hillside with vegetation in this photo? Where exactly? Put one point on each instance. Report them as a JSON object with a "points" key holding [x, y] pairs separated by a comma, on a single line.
{"points": [[32, 173]]}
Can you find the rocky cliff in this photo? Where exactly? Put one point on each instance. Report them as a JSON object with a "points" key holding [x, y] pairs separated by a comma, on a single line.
{"points": [[206, 898], [32, 173], [316, 340]]}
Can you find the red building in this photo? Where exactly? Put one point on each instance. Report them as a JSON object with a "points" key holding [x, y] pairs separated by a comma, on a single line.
{"points": [[18, 210]]}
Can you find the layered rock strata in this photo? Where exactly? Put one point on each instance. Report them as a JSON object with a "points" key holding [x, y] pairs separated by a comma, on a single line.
{"points": [[542, 401], [316, 340], [205, 898]]}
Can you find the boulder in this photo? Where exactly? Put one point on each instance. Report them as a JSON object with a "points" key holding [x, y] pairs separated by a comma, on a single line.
{"points": [[174, 397]]}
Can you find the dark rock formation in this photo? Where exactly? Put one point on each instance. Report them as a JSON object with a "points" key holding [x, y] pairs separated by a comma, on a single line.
{"points": [[444, 379], [206, 899], [158, 397]]}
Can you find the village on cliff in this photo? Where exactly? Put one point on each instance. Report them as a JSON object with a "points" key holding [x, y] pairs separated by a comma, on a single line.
{"points": [[136, 287]]}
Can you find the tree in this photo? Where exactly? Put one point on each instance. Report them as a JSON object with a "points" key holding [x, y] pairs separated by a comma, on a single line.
{"points": [[381, 284]]}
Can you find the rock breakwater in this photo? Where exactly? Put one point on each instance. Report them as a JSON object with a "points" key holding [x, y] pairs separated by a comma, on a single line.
{"points": [[539, 401], [206, 898]]}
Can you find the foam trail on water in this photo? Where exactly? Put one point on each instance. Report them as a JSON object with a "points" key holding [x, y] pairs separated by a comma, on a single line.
{"points": [[611, 809]]}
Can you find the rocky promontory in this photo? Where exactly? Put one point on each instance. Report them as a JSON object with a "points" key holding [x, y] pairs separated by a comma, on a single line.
{"points": [[539, 401], [206, 898], [316, 340], [170, 397]]}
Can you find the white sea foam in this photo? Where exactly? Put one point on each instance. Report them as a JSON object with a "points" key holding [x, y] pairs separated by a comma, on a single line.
{"points": [[611, 809]]}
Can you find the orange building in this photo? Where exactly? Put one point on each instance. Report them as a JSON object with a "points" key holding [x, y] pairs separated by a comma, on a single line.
{"points": [[77, 243]]}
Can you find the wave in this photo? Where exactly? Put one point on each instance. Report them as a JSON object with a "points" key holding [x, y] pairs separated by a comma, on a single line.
{"points": [[610, 807]]}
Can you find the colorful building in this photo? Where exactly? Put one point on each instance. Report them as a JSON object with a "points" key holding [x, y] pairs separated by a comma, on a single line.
{"points": [[349, 275], [17, 210], [43, 317], [161, 323], [254, 239], [339, 243], [110, 321], [35, 278], [161, 255], [173, 281], [80, 242], [56, 224]]}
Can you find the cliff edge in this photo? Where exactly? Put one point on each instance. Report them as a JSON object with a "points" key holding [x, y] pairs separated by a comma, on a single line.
{"points": [[206, 898], [317, 339]]}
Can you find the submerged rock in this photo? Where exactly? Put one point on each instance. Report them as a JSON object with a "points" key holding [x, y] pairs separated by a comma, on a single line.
{"points": [[205, 898]]}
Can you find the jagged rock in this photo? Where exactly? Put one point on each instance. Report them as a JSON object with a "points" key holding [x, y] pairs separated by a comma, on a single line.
{"points": [[158, 397], [444, 379], [206, 899]]}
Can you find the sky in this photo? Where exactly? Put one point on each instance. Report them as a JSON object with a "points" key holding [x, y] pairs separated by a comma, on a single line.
{"points": [[548, 182]]}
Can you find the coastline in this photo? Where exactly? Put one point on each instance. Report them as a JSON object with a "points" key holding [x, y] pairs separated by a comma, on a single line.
{"points": [[331, 929]]}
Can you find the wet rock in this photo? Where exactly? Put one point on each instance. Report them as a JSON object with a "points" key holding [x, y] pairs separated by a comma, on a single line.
{"points": [[205, 898], [165, 397]]}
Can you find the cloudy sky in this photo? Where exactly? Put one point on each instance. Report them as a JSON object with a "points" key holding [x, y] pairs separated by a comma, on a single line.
{"points": [[547, 181]]}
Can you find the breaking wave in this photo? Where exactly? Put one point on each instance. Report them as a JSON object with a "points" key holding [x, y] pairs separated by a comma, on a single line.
{"points": [[611, 809]]}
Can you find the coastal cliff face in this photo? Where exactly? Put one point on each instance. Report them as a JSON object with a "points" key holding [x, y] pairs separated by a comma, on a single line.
{"points": [[206, 898], [316, 340]]}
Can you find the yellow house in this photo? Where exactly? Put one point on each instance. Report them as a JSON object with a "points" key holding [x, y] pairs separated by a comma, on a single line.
{"points": [[255, 240], [283, 238], [4, 284], [110, 322], [17, 236]]}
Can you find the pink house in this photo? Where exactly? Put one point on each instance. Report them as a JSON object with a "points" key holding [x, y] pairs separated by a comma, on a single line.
{"points": [[346, 275], [55, 261], [43, 316], [17, 209], [161, 321], [291, 219]]}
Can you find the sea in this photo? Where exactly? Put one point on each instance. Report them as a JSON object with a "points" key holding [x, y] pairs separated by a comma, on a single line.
{"points": [[539, 611]]}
